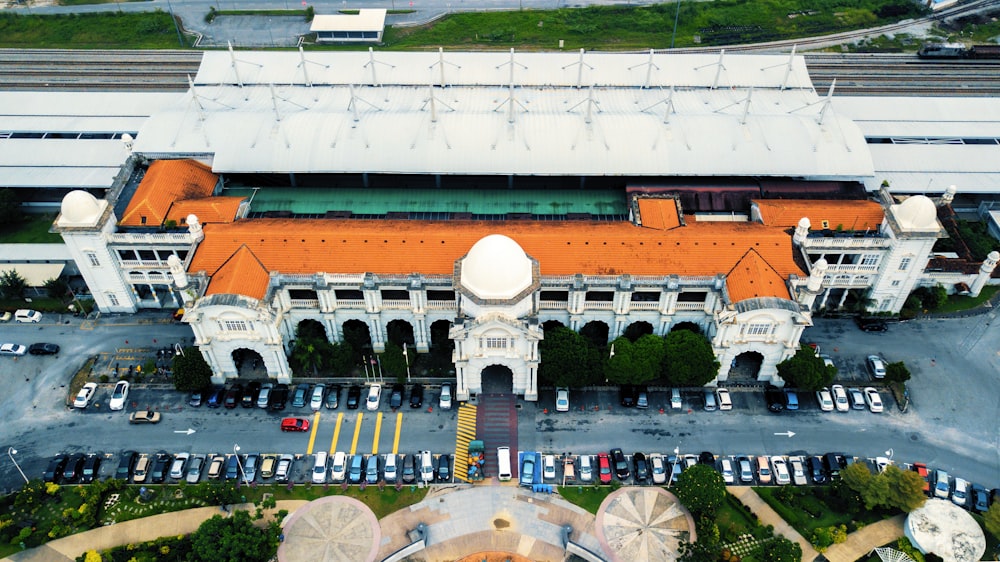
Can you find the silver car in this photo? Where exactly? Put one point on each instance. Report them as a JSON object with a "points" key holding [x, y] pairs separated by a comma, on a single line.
{"points": [[316, 401], [194, 469]]}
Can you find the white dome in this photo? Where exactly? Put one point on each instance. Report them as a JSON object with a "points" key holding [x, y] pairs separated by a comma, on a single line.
{"points": [[947, 530], [496, 268], [80, 208], [917, 213]]}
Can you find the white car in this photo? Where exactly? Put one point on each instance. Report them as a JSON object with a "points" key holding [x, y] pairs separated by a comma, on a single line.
{"points": [[873, 399], [119, 395], [658, 467], [444, 403], [177, 467], [840, 399], [960, 494], [265, 395], [798, 471], [316, 401], [827, 360], [881, 463], [857, 398], [675, 399], [13, 349], [549, 467], [824, 399], [86, 393], [562, 399], [876, 366], [25, 315], [389, 472], [339, 469], [725, 401], [780, 467], [374, 396], [727, 472]]}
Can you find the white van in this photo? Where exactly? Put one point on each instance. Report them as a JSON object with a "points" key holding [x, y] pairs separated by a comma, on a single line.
{"points": [[586, 470], [503, 463], [319, 468], [25, 315], [426, 467], [339, 469]]}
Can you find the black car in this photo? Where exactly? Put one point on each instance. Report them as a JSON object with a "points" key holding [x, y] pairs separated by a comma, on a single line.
{"points": [[91, 468], [233, 396], [194, 400], [871, 324], [627, 395], [278, 398], [417, 396], [619, 463], [353, 397], [641, 467], [333, 397], [160, 467], [55, 469], [73, 467], [232, 467], [817, 471], [396, 398], [707, 457], [125, 465], [43, 349], [833, 463], [444, 468], [215, 397], [250, 395], [775, 398], [409, 473]]}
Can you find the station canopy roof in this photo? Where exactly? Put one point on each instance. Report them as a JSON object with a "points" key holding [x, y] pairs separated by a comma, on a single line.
{"points": [[637, 114]]}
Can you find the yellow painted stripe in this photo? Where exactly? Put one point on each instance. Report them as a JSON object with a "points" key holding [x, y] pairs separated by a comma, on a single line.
{"points": [[399, 427], [465, 432], [312, 435], [378, 429], [357, 431], [336, 433]]}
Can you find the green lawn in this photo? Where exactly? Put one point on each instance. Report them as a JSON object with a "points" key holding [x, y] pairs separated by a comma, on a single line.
{"points": [[34, 229], [807, 508], [83, 2], [958, 302], [110, 30], [587, 497]]}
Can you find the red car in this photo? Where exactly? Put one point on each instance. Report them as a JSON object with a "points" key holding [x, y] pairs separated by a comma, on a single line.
{"points": [[604, 468], [294, 424], [921, 469]]}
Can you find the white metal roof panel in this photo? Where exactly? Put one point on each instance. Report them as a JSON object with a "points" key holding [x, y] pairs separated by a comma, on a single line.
{"points": [[58, 176], [901, 109], [62, 152], [71, 123], [936, 158], [934, 183], [97, 104], [364, 20]]}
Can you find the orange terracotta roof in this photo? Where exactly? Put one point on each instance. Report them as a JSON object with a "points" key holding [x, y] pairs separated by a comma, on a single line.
{"points": [[823, 214], [207, 209], [307, 246], [753, 277], [241, 274], [660, 213], [165, 182]]}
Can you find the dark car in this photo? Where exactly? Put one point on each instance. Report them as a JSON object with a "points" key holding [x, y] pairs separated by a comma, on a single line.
{"points": [[91, 468], [409, 472], [627, 395], [278, 397], [396, 398], [642, 398], [833, 463], [353, 397], [816, 470], [55, 469], [417, 396], [232, 467], [216, 396], [233, 396], [300, 395], [619, 463], [250, 395], [775, 398], [43, 349], [125, 465], [707, 457], [980, 498], [444, 468], [641, 467], [195, 398], [73, 467], [871, 324], [160, 467], [333, 397]]}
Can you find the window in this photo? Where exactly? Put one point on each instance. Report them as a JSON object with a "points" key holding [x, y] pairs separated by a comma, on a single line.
{"points": [[493, 343], [92, 258], [235, 326], [895, 283], [904, 264], [758, 329], [869, 259], [112, 299]]}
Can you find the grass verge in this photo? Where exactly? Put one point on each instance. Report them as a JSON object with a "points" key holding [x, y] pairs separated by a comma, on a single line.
{"points": [[808, 508], [32, 229], [957, 303], [106, 30], [587, 497]]}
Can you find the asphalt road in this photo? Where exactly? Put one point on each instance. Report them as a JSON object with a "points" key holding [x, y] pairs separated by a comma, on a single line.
{"points": [[954, 389]]}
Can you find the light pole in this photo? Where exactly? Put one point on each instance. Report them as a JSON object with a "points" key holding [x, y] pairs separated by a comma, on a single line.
{"points": [[11, 451], [677, 16], [673, 466], [236, 449]]}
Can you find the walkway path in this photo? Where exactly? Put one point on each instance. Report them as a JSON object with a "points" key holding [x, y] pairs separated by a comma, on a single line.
{"points": [[768, 516], [861, 542]]}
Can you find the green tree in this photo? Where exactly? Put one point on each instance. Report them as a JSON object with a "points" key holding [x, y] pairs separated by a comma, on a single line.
{"points": [[805, 370], [307, 355], [688, 359], [191, 372], [568, 358], [781, 549], [897, 372], [233, 539], [339, 358], [856, 476], [992, 519], [10, 208], [631, 363], [12, 285], [877, 492], [701, 490], [906, 488], [393, 362], [57, 288]]}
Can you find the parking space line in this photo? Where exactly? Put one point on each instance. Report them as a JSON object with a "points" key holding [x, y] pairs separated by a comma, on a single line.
{"points": [[336, 433], [399, 427], [312, 436], [378, 429], [357, 431]]}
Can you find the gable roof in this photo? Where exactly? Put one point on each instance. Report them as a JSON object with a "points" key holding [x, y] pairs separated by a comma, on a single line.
{"points": [[165, 183], [659, 213], [753, 277], [849, 215], [207, 209], [241, 274]]}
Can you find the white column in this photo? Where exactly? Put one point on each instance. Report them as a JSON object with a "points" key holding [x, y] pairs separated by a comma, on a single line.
{"points": [[985, 271]]}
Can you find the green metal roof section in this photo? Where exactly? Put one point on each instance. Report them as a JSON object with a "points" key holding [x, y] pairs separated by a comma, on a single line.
{"points": [[317, 201]]}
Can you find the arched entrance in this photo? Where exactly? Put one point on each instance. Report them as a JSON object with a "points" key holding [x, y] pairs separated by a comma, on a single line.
{"points": [[689, 326], [357, 335], [249, 364], [746, 367], [310, 329], [400, 332], [497, 379], [550, 324], [636, 330], [597, 332], [439, 360]]}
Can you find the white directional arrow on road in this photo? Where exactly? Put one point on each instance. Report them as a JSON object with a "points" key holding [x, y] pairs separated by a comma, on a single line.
{"points": [[189, 431], [787, 433]]}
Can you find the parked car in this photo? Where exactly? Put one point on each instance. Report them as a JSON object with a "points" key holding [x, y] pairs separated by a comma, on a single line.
{"points": [[876, 366], [43, 349], [445, 401], [294, 424], [709, 400], [791, 399], [417, 396], [444, 468], [251, 394], [763, 470], [780, 468], [727, 471], [527, 469], [942, 485], [278, 397], [74, 465], [389, 470], [316, 400], [725, 401], [372, 469], [642, 398], [177, 467], [355, 469], [746, 471], [233, 396], [549, 467], [871, 324], [119, 395], [675, 399], [299, 396], [374, 396], [333, 397], [775, 398], [12, 349], [816, 471], [338, 468], [873, 399], [215, 467], [857, 398], [960, 493], [161, 463], [216, 397], [921, 469], [83, 397], [319, 468], [562, 399], [426, 466], [604, 468], [29, 316], [834, 462], [409, 472], [353, 397], [620, 464], [250, 466], [797, 468], [142, 466], [281, 473], [232, 470], [264, 396], [980, 498], [144, 416], [126, 462], [194, 469], [658, 468], [881, 463], [641, 466], [267, 464], [195, 398], [396, 396], [626, 395], [586, 469], [840, 400], [824, 399]]}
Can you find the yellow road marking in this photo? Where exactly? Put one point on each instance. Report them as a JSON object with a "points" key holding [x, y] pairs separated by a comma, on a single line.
{"points": [[312, 436], [357, 431], [378, 428], [399, 426], [336, 433]]}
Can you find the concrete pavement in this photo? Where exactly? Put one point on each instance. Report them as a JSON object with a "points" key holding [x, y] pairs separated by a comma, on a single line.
{"points": [[862, 541]]}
